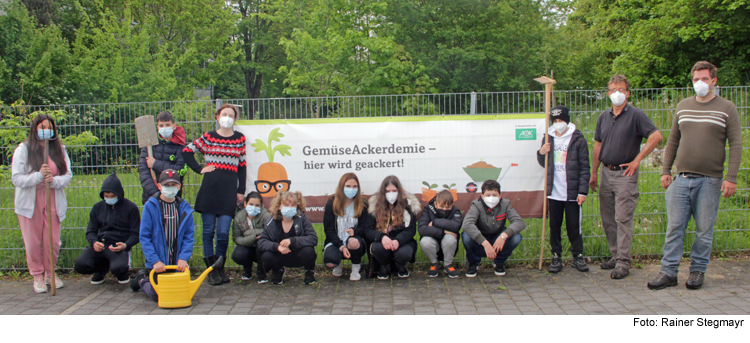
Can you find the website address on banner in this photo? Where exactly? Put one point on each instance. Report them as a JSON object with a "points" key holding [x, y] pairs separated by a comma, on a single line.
{"points": [[314, 209]]}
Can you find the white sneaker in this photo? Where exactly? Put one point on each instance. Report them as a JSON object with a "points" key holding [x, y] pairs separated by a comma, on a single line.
{"points": [[355, 276], [338, 270], [58, 283], [39, 286]]}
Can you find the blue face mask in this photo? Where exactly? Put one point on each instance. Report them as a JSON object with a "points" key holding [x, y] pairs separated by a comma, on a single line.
{"points": [[111, 201], [166, 132], [288, 211], [252, 211], [351, 192], [45, 134]]}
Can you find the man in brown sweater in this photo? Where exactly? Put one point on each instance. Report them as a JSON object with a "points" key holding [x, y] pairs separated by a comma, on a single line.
{"points": [[701, 127]]}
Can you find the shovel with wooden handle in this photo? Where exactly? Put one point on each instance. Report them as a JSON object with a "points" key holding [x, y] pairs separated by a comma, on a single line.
{"points": [[52, 283], [145, 129]]}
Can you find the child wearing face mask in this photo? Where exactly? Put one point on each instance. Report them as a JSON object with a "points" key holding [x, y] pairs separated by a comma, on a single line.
{"points": [[113, 230], [222, 188], [167, 233], [395, 214], [486, 232], [568, 178], [438, 227], [344, 222], [289, 238], [246, 230], [166, 155]]}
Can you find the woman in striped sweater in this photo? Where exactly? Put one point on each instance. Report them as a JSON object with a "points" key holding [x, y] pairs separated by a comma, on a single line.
{"points": [[223, 185]]}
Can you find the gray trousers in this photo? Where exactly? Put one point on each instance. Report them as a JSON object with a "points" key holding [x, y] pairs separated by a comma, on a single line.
{"points": [[430, 247], [618, 197]]}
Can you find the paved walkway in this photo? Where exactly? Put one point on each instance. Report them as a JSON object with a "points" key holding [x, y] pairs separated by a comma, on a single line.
{"points": [[726, 291]]}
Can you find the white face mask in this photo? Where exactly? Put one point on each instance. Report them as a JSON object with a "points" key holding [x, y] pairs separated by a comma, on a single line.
{"points": [[166, 132], [391, 197], [560, 127], [701, 88], [226, 122], [169, 192], [491, 202], [617, 98]]}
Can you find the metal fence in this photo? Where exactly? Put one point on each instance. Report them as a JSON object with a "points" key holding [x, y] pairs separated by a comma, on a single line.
{"points": [[101, 139]]}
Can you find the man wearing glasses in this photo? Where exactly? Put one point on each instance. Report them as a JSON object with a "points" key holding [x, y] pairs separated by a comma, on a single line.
{"points": [[620, 130]]}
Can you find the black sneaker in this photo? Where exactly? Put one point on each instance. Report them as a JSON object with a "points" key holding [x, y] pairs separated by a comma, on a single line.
{"points": [[247, 274], [433, 271], [384, 272], [123, 279], [97, 278], [662, 281], [278, 276], [499, 270], [262, 275], [695, 281], [471, 270], [135, 283], [579, 263], [556, 265], [609, 264], [309, 277], [451, 271], [402, 271]]}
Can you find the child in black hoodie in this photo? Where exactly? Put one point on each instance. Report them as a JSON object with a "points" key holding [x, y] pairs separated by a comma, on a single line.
{"points": [[113, 230], [438, 227]]}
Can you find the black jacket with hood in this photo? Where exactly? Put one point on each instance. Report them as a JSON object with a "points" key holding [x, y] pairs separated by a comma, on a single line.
{"points": [[403, 233], [576, 165], [110, 224]]}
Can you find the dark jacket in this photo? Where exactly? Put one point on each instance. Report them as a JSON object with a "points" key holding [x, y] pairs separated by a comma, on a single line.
{"points": [[330, 228], [241, 232], [482, 221], [451, 222], [576, 166], [110, 224], [153, 243], [167, 155], [305, 234], [403, 233]]}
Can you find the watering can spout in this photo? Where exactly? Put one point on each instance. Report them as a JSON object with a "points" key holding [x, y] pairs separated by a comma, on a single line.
{"points": [[195, 284]]}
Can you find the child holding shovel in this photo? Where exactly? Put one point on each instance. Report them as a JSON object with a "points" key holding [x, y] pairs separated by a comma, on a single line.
{"points": [[167, 155], [29, 175]]}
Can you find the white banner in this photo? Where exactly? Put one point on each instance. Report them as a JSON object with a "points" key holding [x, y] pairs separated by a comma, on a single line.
{"points": [[427, 153]]}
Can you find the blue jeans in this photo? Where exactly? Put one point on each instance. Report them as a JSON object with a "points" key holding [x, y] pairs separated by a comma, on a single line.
{"points": [[222, 234], [475, 251], [697, 197]]}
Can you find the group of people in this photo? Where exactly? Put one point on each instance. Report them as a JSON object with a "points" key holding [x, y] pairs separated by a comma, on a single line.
{"points": [[385, 225]]}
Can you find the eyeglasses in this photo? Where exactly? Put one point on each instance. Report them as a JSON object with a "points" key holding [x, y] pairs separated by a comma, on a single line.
{"points": [[264, 187], [621, 90]]}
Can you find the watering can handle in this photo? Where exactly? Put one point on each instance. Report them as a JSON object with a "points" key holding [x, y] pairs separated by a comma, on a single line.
{"points": [[151, 277]]}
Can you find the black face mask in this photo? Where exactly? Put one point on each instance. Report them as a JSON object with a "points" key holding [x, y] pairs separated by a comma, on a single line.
{"points": [[442, 213]]}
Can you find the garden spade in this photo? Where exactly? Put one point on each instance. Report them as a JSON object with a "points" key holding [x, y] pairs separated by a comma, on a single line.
{"points": [[53, 284], [146, 131]]}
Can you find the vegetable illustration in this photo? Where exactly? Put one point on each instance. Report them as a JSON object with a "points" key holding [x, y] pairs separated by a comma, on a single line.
{"points": [[272, 176], [430, 192]]}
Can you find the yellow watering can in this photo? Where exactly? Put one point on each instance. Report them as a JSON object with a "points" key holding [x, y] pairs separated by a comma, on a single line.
{"points": [[175, 290]]}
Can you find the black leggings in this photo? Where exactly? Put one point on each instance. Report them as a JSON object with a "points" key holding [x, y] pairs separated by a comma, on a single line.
{"points": [[303, 257], [245, 256], [334, 256], [401, 256], [91, 262]]}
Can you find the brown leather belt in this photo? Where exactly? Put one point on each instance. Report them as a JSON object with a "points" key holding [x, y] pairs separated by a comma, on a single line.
{"points": [[612, 167]]}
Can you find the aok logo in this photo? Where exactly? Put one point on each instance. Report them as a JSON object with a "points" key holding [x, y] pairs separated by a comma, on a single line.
{"points": [[525, 134]]}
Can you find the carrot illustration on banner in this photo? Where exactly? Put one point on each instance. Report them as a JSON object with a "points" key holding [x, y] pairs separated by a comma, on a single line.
{"points": [[272, 176]]}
